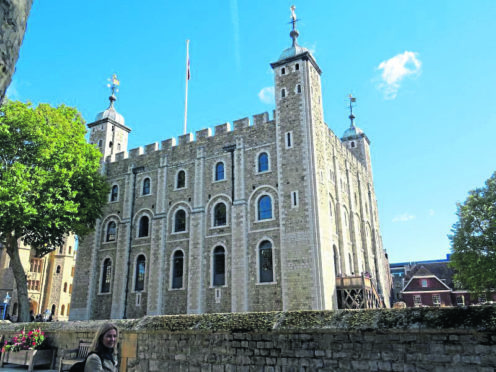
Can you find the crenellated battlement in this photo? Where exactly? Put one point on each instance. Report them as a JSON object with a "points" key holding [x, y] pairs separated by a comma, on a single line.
{"points": [[189, 139]]}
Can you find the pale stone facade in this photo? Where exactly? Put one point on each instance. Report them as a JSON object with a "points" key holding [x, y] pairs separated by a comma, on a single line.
{"points": [[49, 279], [260, 216]]}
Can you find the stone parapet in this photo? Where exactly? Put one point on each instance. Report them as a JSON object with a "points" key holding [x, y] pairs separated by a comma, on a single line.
{"points": [[424, 339]]}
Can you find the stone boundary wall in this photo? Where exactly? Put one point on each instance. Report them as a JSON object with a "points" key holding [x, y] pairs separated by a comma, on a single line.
{"points": [[425, 339]]}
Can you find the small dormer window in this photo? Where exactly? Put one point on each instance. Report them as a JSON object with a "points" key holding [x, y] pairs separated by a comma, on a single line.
{"points": [[297, 67], [283, 71], [424, 283], [283, 93]]}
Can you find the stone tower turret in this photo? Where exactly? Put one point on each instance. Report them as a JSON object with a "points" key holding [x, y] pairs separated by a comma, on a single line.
{"points": [[108, 131]]}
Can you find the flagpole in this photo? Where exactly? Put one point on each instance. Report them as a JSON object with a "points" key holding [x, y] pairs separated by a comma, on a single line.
{"points": [[186, 92]]}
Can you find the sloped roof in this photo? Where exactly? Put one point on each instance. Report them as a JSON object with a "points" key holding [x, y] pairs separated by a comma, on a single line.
{"points": [[439, 269]]}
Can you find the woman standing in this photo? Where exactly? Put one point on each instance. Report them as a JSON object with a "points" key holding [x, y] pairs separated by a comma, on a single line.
{"points": [[102, 352]]}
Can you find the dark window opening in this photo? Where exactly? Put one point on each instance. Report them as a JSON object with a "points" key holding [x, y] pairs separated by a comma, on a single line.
{"points": [[181, 180], [298, 88], [283, 71], [283, 93], [266, 266], [180, 221], [143, 227], [107, 273], [219, 266], [177, 270], [146, 186], [288, 139], [115, 193], [220, 218], [139, 284], [297, 66]]}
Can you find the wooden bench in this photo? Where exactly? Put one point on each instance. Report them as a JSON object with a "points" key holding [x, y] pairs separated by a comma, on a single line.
{"points": [[71, 356]]}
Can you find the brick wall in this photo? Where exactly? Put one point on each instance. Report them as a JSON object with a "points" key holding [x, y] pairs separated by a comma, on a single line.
{"points": [[428, 339]]}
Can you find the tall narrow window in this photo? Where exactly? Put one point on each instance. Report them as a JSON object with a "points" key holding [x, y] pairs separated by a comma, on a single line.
{"points": [[106, 275], [180, 221], [289, 140], [263, 162], [58, 270], [181, 180], [283, 71], [297, 66], [219, 171], [298, 88], [111, 231], [115, 193], [219, 266], [143, 227], [220, 218], [62, 310], [337, 269], [139, 283], [294, 199], [177, 269], [351, 264], [266, 265], [65, 287], [283, 93], [264, 208], [146, 186]]}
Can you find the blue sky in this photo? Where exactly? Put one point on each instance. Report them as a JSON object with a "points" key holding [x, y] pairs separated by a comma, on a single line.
{"points": [[423, 73]]}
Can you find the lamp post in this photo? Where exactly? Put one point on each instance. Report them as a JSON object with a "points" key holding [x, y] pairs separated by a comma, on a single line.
{"points": [[6, 302]]}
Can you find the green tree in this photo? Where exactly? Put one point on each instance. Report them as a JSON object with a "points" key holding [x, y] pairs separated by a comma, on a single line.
{"points": [[50, 183], [473, 241]]}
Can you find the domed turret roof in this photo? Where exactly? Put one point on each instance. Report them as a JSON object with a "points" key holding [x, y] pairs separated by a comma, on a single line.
{"points": [[292, 51], [110, 113], [352, 131]]}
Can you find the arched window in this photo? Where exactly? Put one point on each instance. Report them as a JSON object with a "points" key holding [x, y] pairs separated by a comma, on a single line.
{"points": [[263, 162], [264, 208], [54, 309], [180, 221], [177, 269], [220, 218], [70, 291], [351, 264], [146, 186], [61, 250], [143, 227], [70, 249], [265, 262], [58, 269], [62, 310], [181, 179], [106, 275], [219, 171], [297, 66], [115, 193], [65, 287], [139, 283], [219, 261], [298, 88], [283, 71], [111, 231]]}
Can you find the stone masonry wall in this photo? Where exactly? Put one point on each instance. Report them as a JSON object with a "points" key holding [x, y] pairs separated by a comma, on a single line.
{"points": [[423, 339]]}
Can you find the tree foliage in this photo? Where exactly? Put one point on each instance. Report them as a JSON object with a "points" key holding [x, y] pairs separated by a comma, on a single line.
{"points": [[50, 184], [474, 239]]}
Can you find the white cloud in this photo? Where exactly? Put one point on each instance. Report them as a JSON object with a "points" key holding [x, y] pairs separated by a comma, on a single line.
{"points": [[405, 217], [395, 69], [266, 95]]}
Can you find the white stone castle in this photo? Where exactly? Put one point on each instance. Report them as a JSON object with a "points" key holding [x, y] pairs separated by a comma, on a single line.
{"points": [[265, 215]]}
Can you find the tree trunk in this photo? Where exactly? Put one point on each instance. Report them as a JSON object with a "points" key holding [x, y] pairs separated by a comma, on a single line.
{"points": [[19, 276]]}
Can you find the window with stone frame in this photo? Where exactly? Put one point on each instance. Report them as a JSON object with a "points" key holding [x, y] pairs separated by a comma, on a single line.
{"points": [[424, 283], [219, 171], [139, 284], [220, 214], [181, 180], [219, 266], [265, 208], [177, 269], [111, 231], [146, 186], [106, 276], [263, 162], [114, 195], [266, 265], [143, 229], [460, 300]]}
